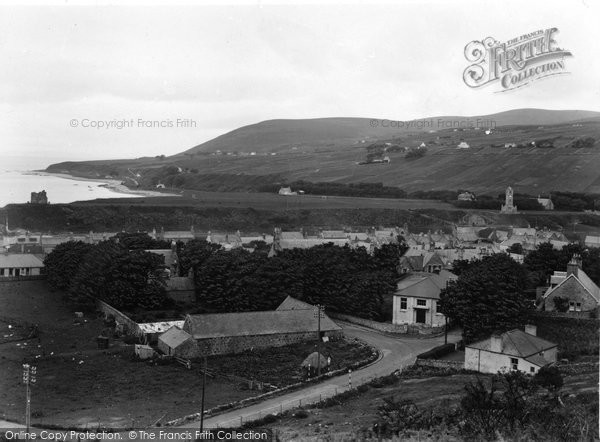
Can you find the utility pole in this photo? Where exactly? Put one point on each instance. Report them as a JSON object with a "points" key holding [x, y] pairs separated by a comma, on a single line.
{"points": [[319, 314], [203, 390], [29, 377], [446, 330]]}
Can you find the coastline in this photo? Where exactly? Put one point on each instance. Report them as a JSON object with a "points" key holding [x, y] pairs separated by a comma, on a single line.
{"points": [[113, 185]]}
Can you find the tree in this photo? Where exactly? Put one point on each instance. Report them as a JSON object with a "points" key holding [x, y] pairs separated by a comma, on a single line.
{"points": [[62, 264], [122, 278], [487, 297], [516, 248], [193, 253]]}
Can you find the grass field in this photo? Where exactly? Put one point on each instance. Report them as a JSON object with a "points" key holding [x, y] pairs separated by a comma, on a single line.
{"points": [[270, 201], [354, 417], [79, 385]]}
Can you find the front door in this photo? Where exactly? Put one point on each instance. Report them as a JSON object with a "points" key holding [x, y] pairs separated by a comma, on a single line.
{"points": [[421, 315]]}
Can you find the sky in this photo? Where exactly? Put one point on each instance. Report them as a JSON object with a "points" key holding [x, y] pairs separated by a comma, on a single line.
{"points": [[67, 69]]}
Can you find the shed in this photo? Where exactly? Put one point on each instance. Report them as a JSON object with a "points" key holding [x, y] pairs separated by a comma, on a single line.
{"points": [[177, 342], [144, 351]]}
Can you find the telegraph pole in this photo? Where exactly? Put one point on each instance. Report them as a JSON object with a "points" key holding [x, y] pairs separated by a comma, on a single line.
{"points": [[203, 390], [29, 377], [319, 314]]}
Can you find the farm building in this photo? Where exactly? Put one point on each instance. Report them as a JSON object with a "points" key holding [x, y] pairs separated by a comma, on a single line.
{"points": [[225, 333], [18, 264], [150, 331], [513, 350], [177, 342]]}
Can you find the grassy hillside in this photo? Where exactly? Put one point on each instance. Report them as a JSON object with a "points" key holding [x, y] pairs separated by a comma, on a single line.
{"points": [[330, 150], [280, 135]]}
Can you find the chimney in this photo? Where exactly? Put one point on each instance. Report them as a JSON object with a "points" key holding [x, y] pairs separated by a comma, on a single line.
{"points": [[574, 265], [496, 343], [531, 329]]}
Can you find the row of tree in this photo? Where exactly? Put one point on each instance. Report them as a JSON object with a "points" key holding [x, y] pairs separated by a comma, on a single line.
{"points": [[118, 271], [342, 279]]}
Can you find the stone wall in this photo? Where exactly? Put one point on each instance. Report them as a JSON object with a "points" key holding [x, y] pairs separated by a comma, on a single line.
{"points": [[238, 344], [440, 363], [380, 326], [386, 327], [128, 325], [575, 315]]}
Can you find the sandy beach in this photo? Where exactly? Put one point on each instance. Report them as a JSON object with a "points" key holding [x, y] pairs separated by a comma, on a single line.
{"points": [[109, 184]]}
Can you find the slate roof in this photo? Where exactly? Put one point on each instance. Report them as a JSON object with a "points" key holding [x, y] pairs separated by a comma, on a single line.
{"points": [[516, 343], [20, 260], [424, 285], [291, 235], [290, 303], [581, 277], [218, 325], [174, 337]]}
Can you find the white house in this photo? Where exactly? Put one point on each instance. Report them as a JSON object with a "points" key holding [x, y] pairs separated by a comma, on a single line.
{"points": [[416, 299], [286, 191], [513, 350], [19, 264]]}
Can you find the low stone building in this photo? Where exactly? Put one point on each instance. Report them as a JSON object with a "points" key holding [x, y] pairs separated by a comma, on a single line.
{"points": [[19, 265], [513, 350], [225, 333]]}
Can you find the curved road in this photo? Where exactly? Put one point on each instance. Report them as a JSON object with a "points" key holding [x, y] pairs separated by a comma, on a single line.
{"points": [[397, 352]]}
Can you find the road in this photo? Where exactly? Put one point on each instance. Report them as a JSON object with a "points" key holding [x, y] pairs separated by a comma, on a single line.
{"points": [[397, 352]]}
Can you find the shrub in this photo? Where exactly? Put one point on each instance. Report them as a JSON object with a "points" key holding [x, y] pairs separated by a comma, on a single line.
{"points": [[301, 414]]}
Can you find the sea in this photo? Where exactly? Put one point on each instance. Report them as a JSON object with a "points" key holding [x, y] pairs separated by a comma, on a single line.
{"points": [[19, 176]]}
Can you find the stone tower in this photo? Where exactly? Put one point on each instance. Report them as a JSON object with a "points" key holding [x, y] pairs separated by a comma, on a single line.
{"points": [[508, 206]]}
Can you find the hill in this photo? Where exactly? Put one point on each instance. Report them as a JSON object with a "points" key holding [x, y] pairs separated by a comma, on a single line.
{"points": [[532, 150], [278, 135]]}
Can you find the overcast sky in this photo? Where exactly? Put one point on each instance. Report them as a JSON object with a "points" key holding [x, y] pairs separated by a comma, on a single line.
{"points": [[228, 66]]}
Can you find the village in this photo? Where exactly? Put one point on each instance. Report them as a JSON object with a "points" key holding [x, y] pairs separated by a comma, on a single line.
{"points": [[184, 313]]}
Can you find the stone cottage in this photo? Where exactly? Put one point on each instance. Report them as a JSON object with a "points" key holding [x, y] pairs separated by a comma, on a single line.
{"points": [[513, 350]]}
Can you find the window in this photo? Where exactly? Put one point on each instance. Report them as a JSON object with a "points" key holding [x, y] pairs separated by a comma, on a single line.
{"points": [[422, 302], [403, 303], [571, 306], [578, 307], [532, 369], [514, 363]]}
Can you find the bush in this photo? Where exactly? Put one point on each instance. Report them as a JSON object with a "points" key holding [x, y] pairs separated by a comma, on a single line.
{"points": [[301, 414], [437, 352]]}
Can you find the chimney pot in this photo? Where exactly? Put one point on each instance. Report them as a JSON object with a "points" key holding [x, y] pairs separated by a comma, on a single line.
{"points": [[531, 329]]}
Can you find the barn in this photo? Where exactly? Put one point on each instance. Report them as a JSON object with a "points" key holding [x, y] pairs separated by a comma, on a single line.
{"points": [[226, 333]]}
